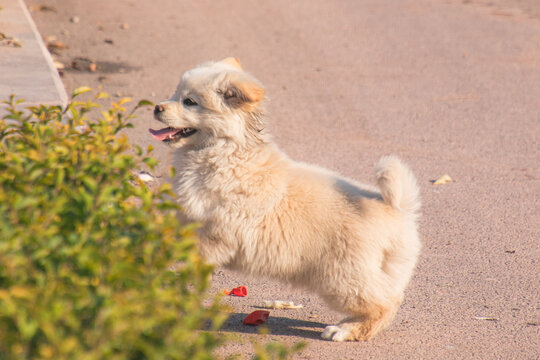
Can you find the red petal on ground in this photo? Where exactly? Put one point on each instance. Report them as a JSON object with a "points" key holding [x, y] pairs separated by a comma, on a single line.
{"points": [[257, 317], [238, 291]]}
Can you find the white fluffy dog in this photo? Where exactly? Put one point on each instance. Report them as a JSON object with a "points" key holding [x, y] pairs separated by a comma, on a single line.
{"points": [[265, 214]]}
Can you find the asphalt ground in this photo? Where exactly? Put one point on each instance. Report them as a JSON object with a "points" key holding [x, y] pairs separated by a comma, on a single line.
{"points": [[452, 87]]}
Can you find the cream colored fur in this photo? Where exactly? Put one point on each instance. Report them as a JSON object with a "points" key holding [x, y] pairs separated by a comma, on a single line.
{"points": [[265, 214]]}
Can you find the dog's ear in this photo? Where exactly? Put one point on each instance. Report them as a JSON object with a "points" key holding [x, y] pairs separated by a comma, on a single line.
{"points": [[243, 92], [232, 61]]}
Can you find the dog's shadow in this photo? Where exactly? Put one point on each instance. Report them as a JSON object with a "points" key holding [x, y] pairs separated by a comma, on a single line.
{"points": [[276, 325]]}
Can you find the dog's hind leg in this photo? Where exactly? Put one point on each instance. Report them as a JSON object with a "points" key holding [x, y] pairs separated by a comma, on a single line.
{"points": [[366, 321]]}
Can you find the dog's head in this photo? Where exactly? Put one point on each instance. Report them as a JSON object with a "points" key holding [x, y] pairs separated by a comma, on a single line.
{"points": [[216, 100]]}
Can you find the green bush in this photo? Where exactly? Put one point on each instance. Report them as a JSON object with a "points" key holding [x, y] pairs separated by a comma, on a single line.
{"points": [[85, 247]]}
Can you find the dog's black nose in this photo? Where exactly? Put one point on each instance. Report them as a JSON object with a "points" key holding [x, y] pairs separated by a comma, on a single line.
{"points": [[158, 109]]}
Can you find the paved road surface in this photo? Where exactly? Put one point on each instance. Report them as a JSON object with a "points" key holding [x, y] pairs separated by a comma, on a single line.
{"points": [[450, 86]]}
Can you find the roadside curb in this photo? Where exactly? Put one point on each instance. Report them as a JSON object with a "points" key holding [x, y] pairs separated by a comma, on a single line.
{"points": [[27, 71]]}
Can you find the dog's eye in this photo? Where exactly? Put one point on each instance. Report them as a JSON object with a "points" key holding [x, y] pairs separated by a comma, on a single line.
{"points": [[189, 102]]}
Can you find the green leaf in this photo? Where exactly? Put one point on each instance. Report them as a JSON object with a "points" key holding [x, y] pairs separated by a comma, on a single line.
{"points": [[60, 174], [151, 162], [25, 202], [145, 103], [172, 172], [34, 174], [80, 90], [124, 101]]}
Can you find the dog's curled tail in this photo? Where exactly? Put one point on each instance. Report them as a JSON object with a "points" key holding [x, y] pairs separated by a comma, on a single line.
{"points": [[398, 185]]}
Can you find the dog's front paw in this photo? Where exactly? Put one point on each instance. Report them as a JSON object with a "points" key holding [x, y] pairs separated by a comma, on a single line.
{"points": [[337, 333]]}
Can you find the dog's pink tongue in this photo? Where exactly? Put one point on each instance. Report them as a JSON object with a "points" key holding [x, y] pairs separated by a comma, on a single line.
{"points": [[163, 133]]}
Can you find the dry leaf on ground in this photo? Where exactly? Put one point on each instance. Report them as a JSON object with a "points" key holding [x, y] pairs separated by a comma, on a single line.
{"points": [[443, 180], [9, 41], [55, 46], [41, 8], [487, 318]]}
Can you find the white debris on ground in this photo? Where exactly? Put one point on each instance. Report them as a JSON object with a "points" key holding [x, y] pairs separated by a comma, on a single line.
{"points": [[281, 304], [146, 176]]}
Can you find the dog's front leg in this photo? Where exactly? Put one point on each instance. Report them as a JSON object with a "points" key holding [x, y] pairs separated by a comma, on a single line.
{"points": [[211, 252], [215, 251]]}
